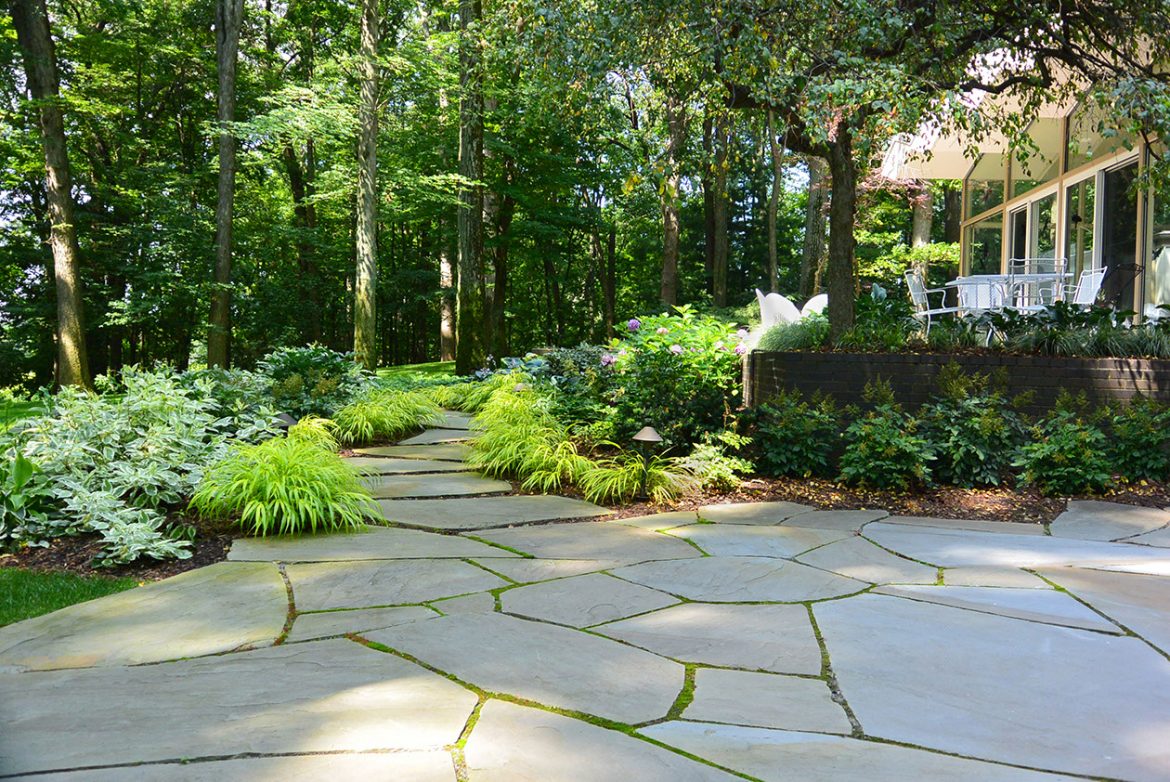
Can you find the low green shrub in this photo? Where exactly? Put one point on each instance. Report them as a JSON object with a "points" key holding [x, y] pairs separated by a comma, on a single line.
{"points": [[808, 333], [712, 465], [25, 501], [312, 380], [385, 415], [1065, 455], [795, 437], [883, 449], [1139, 440], [285, 486], [621, 478]]}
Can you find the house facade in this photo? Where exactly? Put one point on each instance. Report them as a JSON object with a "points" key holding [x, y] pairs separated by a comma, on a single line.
{"points": [[1073, 197]]}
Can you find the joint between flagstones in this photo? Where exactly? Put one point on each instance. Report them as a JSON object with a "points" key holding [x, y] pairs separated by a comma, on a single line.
{"points": [[292, 606], [831, 678]]}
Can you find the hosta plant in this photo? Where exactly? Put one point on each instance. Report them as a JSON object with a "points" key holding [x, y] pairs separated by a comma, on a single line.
{"points": [[285, 486]]}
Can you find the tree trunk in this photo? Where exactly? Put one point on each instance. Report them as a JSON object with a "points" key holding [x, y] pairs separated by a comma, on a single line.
{"points": [[609, 281], [305, 220], [31, 20], [813, 254], [720, 215], [228, 18], [708, 204], [774, 202], [446, 302], [952, 214], [676, 126], [922, 217], [365, 304], [469, 354], [842, 211]]}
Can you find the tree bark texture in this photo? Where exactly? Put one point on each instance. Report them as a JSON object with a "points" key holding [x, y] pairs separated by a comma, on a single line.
{"points": [[813, 253], [469, 352], [922, 217], [708, 204], [842, 243], [720, 215], [774, 201], [228, 18], [31, 20], [365, 303], [676, 126], [952, 213]]}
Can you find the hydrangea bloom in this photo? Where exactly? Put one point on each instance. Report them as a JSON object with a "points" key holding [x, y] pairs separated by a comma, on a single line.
{"points": [[676, 350], [719, 345], [633, 324], [663, 330], [608, 360], [740, 349], [742, 333]]}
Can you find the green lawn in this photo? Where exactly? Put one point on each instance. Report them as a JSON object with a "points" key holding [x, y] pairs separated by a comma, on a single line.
{"points": [[431, 368], [26, 593], [11, 412]]}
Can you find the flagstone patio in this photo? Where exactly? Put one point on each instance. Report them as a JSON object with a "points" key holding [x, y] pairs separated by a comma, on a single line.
{"points": [[531, 639]]}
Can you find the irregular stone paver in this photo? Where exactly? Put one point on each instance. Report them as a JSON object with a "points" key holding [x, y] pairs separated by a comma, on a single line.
{"points": [[323, 585], [776, 638], [551, 665], [1035, 605], [373, 543], [438, 436], [765, 513], [592, 542], [1141, 603], [970, 525], [479, 603], [455, 419], [765, 700], [486, 512], [860, 559], [989, 687], [992, 577], [954, 547], [1095, 520], [844, 520], [425, 766], [787, 756], [729, 540], [448, 485], [308, 627], [373, 466], [660, 521], [213, 609], [582, 601], [528, 570], [452, 452], [740, 580], [313, 697], [1159, 537], [512, 743]]}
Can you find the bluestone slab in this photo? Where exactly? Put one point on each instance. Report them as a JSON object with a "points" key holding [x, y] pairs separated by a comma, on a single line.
{"points": [[776, 638], [323, 696], [843, 520], [551, 665], [436, 436], [528, 570], [992, 577], [323, 585], [452, 452], [970, 525], [1096, 520], [486, 512], [452, 484], [371, 466], [478, 603], [372, 543], [213, 609], [308, 627], [659, 521], [740, 580], [585, 541], [1034, 605], [513, 743], [765, 700], [761, 513], [582, 601], [730, 540], [858, 558], [985, 686], [1140, 602]]}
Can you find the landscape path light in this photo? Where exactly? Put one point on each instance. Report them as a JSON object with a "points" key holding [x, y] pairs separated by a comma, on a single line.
{"points": [[645, 436]]}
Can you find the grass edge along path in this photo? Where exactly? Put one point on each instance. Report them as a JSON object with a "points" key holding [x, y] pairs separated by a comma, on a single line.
{"points": [[25, 594]]}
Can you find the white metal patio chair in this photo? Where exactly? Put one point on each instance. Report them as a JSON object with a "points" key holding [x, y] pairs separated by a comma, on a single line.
{"points": [[1084, 293], [920, 298], [775, 309], [816, 304]]}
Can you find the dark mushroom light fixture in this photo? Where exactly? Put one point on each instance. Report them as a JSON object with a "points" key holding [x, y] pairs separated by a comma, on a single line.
{"points": [[644, 438]]}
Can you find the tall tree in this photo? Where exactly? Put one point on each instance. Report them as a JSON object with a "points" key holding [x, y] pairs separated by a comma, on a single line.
{"points": [[777, 158], [922, 215], [469, 313], [229, 16], [31, 20], [720, 244], [812, 258], [676, 136], [365, 318]]}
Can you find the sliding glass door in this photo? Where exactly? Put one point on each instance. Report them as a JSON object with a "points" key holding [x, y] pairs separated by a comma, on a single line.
{"points": [[1119, 227]]}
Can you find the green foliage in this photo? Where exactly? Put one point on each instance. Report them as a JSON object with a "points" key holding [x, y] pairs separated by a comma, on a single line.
{"points": [[385, 415], [713, 466], [623, 477], [25, 500], [1139, 440], [972, 429], [314, 430], [808, 333], [1064, 455], [941, 260], [312, 380], [25, 594], [795, 437], [884, 323], [285, 486], [883, 450]]}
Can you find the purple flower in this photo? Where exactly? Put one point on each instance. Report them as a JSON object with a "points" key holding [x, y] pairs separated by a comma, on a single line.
{"points": [[633, 324], [719, 345], [742, 333], [662, 330], [740, 349], [622, 352], [676, 350], [608, 360]]}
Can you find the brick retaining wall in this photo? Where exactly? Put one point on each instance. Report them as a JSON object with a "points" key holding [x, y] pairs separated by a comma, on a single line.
{"points": [[911, 376]]}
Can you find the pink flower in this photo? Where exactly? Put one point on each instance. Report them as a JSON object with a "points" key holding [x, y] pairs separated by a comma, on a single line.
{"points": [[607, 360], [742, 333], [740, 349], [719, 345], [676, 350], [662, 330]]}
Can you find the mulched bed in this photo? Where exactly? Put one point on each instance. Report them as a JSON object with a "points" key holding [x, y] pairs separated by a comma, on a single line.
{"points": [[75, 555]]}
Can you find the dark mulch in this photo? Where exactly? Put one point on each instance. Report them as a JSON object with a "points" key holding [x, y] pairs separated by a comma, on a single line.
{"points": [[76, 554]]}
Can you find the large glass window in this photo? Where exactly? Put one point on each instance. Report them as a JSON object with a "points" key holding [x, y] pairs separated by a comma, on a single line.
{"points": [[1158, 269], [1079, 225], [1090, 136], [1044, 228], [985, 245], [1041, 163], [985, 184]]}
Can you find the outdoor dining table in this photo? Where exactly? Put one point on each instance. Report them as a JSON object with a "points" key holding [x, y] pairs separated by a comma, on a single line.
{"points": [[1009, 286]]}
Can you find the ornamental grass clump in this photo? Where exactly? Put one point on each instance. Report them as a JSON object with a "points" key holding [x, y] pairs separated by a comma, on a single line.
{"points": [[623, 477], [285, 486], [385, 415]]}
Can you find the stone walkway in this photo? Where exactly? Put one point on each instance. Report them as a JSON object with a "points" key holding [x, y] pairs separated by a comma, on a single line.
{"points": [[469, 640]]}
